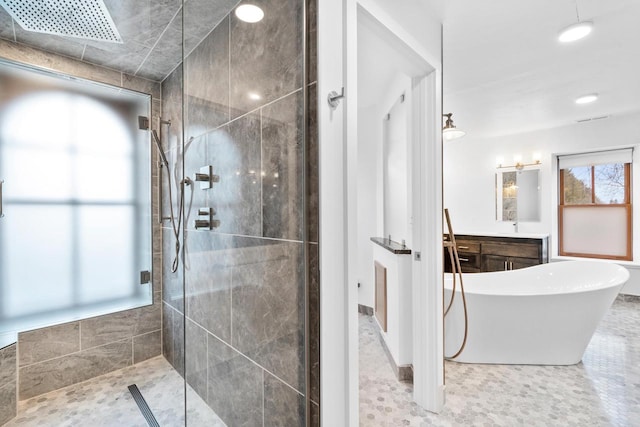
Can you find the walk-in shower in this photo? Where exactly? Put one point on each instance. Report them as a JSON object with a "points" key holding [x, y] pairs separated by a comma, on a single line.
{"points": [[224, 172]]}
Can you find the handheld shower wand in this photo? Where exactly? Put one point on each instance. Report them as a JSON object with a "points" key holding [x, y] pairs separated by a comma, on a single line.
{"points": [[143, 124]]}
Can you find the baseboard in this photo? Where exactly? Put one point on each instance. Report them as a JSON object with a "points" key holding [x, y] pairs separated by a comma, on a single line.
{"points": [[404, 372], [364, 309], [628, 298]]}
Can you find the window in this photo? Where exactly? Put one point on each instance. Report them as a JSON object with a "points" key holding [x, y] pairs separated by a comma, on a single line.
{"points": [[594, 215], [76, 230]]}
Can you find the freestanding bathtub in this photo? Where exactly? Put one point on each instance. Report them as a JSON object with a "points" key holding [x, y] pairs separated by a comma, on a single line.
{"points": [[541, 315]]}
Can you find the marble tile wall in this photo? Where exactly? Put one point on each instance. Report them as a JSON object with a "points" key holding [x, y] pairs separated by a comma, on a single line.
{"points": [[238, 332], [60, 355], [57, 356], [8, 378]]}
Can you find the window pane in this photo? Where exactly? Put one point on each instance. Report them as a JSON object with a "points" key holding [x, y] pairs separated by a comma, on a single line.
{"points": [[595, 230], [35, 174], [106, 253], [577, 185], [104, 178], [610, 183], [37, 252]]}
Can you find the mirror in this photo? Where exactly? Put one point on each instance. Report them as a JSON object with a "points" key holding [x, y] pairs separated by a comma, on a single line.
{"points": [[518, 195]]}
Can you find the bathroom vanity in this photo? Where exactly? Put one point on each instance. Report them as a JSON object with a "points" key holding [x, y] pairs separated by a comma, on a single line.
{"points": [[499, 252]]}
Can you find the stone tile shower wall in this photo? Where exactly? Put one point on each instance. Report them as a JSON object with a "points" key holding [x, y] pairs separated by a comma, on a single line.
{"points": [[8, 383], [244, 282], [57, 356]]}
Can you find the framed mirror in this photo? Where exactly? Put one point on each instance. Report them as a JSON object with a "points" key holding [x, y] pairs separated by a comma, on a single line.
{"points": [[518, 195]]}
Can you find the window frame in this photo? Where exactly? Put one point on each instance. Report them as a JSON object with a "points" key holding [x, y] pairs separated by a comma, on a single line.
{"points": [[627, 205]]}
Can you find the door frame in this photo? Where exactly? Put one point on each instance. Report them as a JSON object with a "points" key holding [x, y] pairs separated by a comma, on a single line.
{"points": [[337, 68]]}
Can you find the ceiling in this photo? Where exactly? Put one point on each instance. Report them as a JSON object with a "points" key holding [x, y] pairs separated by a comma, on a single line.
{"points": [[505, 71], [151, 31]]}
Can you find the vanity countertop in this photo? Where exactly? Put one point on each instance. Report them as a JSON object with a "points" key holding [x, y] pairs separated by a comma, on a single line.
{"points": [[391, 246], [510, 235]]}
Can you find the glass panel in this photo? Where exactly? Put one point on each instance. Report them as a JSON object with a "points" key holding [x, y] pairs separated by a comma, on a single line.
{"points": [[244, 280], [35, 174], [595, 230], [395, 173], [36, 260], [104, 178], [106, 252], [610, 183], [577, 185], [74, 237]]}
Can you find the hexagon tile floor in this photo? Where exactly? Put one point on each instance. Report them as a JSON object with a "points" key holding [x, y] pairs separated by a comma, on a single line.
{"points": [[602, 390], [105, 401]]}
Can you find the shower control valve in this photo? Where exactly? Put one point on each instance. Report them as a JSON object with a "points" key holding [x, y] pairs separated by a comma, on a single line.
{"points": [[206, 178], [208, 222]]}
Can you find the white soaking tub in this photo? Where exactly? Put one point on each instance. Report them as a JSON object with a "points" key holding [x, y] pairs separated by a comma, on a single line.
{"points": [[541, 315]]}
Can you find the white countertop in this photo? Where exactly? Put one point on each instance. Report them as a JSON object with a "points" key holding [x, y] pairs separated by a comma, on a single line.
{"points": [[512, 235]]}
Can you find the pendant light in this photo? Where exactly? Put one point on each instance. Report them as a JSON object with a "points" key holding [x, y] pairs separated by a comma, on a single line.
{"points": [[449, 131]]}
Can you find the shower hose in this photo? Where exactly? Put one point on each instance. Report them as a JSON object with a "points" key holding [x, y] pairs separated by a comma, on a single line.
{"points": [[455, 269]]}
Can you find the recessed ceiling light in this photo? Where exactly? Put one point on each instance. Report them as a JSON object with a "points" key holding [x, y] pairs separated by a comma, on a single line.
{"points": [[575, 32], [586, 99], [254, 96], [249, 13]]}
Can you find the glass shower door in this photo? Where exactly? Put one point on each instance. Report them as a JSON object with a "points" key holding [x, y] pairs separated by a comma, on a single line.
{"points": [[248, 238]]}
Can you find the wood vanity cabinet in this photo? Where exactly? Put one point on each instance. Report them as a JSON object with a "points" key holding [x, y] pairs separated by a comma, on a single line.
{"points": [[497, 253]]}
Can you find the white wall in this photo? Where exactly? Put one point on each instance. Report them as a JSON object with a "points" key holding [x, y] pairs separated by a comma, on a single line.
{"points": [[370, 179], [399, 329], [470, 166]]}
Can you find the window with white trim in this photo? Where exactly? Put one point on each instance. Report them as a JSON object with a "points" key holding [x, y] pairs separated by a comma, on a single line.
{"points": [[595, 211]]}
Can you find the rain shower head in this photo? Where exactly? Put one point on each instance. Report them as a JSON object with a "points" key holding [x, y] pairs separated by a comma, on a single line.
{"points": [[85, 19]]}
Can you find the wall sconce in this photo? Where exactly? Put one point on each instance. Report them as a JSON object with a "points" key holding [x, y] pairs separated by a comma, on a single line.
{"points": [[449, 131], [517, 160]]}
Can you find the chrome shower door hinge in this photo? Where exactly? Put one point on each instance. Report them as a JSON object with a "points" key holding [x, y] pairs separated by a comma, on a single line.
{"points": [[145, 277]]}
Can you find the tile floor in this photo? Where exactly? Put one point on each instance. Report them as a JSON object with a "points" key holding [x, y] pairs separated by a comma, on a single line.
{"points": [[603, 390], [105, 401]]}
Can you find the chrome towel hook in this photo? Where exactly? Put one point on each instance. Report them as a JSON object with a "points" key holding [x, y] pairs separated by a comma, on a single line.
{"points": [[334, 98]]}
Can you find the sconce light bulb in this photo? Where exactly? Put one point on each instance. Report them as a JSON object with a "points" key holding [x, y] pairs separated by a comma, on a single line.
{"points": [[536, 157]]}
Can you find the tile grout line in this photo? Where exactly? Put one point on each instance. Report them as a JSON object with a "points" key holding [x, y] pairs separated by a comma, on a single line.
{"points": [[262, 171], [244, 115], [157, 41], [245, 356], [77, 352]]}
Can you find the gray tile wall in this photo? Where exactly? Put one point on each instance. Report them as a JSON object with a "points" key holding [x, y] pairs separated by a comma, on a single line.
{"points": [[8, 378], [243, 310], [57, 356], [61, 355]]}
